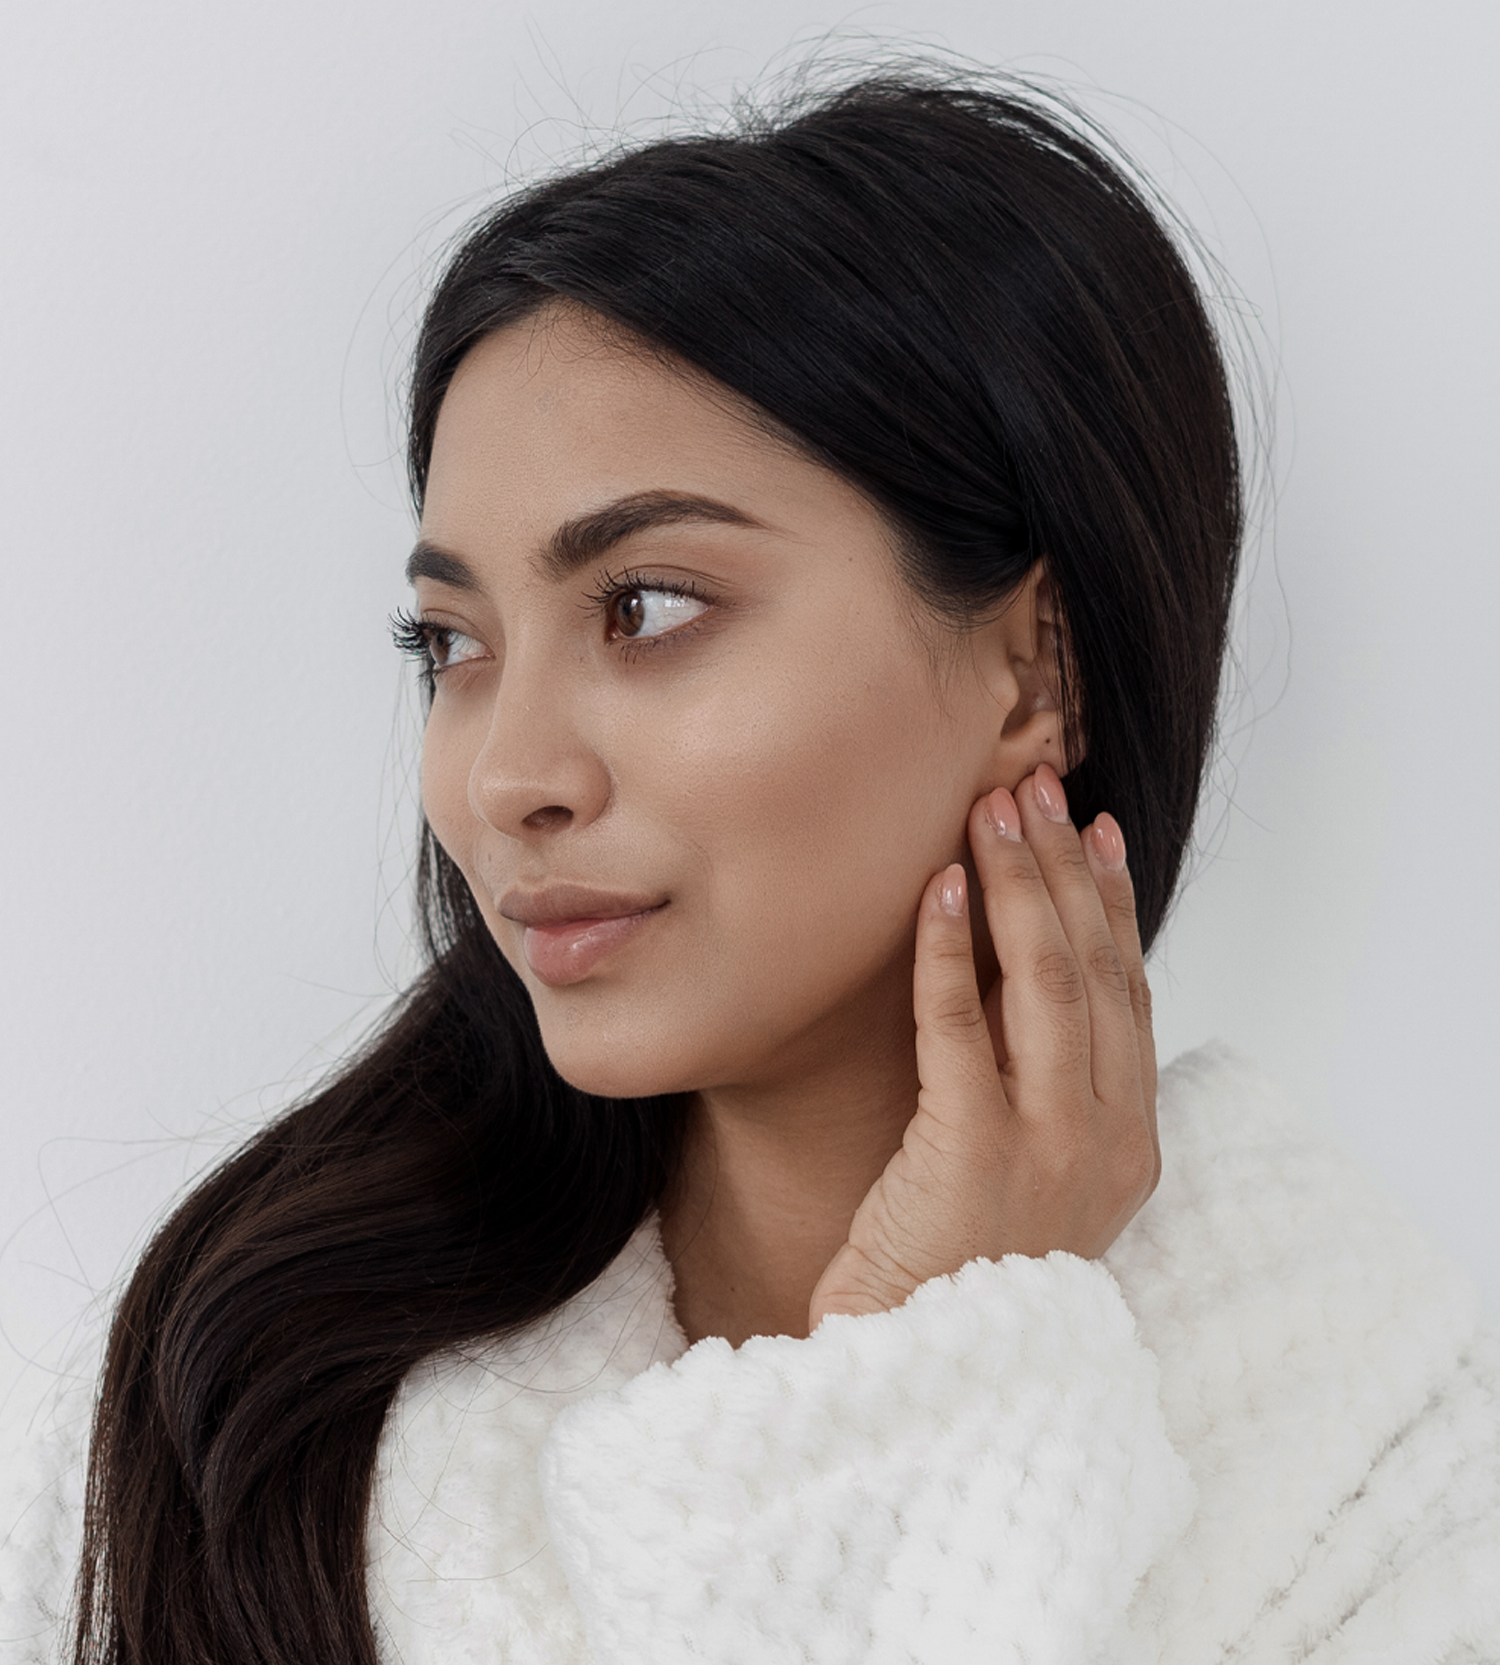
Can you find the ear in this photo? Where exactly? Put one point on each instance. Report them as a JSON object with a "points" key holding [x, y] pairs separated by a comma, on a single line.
{"points": [[1022, 653]]}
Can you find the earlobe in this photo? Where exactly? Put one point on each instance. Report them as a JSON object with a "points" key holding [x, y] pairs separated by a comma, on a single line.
{"points": [[1032, 732]]}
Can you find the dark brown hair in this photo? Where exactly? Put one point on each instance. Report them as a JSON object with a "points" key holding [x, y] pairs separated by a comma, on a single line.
{"points": [[953, 298]]}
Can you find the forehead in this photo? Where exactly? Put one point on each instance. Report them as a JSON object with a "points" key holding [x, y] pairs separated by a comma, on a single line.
{"points": [[561, 413]]}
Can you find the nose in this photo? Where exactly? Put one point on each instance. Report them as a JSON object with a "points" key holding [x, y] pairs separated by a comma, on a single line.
{"points": [[536, 773]]}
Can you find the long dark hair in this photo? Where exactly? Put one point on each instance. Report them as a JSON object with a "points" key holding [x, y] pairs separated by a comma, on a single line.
{"points": [[952, 297]]}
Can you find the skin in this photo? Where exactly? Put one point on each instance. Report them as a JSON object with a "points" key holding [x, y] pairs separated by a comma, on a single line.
{"points": [[805, 764]]}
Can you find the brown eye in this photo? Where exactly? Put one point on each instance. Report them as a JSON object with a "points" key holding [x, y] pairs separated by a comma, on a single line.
{"points": [[636, 610], [629, 612], [447, 647]]}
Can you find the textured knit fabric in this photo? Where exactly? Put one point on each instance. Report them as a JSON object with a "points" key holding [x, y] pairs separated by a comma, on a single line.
{"points": [[1265, 1428]]}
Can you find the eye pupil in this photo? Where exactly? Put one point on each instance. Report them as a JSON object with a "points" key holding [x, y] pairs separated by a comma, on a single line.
{"points": [[630, 612]]}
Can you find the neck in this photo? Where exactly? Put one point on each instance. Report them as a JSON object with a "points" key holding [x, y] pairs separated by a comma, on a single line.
{"points": [[773, 1173]]}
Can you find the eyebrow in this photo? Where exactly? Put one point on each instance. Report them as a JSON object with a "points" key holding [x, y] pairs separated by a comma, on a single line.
{"points": [[579, 542]]}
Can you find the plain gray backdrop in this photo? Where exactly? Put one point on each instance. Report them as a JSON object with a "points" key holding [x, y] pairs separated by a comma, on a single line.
{"points": [[218, 221]]}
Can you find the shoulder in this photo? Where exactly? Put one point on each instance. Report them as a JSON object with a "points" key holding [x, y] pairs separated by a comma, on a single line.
{"points": [[1327, 1373], [1263, 1230], [1269, 1266], [460, 1561]]}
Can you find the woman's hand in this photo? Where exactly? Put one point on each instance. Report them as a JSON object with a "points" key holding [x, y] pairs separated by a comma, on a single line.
{"points": [[1035, 1126]]}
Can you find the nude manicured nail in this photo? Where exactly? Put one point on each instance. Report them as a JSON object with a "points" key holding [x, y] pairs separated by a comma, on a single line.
{"points": [[952, 893], [1050, 797], [1001, 813], [1109, 842]]}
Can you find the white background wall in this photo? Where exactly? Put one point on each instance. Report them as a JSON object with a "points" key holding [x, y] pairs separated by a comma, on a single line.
{"points": [[216, 221]]}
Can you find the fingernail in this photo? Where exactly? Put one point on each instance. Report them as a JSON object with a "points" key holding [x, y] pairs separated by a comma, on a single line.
{"points": [[1001, 813], [1109, 841], [952, 894], [1050, 797]]}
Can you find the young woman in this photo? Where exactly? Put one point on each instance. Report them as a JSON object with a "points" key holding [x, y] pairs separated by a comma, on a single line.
{"points": [[745, 1241]]}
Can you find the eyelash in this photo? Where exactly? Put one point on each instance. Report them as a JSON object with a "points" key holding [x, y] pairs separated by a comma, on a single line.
{"points": [[414, 636], [613, 584]]}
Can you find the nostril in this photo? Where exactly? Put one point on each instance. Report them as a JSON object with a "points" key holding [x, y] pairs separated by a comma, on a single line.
{"points": [[550, 817]]}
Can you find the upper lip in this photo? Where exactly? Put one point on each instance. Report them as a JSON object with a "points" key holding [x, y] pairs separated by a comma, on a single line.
{"points": [[561, 902]]}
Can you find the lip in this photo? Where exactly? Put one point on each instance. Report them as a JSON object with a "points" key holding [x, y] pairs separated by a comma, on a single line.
{"points": [[567, 950], [570, 928], [569, 904]]}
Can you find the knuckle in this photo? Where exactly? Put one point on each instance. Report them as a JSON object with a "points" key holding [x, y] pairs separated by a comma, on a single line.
{"points": [[1104, 966], [956, 1013], [1058, 977], [952, 952], [1069, 853], [1024, 877], [1140, 994], [1065, 856], [1119, 906]]}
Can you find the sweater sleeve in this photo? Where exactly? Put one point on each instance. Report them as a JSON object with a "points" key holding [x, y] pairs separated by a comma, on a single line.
{"points": [[980, 1475]]}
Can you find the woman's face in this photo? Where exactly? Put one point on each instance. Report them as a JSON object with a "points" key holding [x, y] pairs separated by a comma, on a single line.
{"points": [[677, 665]]}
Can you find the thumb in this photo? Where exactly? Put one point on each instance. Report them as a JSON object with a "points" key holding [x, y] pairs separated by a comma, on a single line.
{"points": [[961, 1087]]}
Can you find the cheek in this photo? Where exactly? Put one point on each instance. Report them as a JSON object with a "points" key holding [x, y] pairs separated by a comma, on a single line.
{"points": [[796, 811], [847, 764], [838, 811], [447, 760], [807, 820]]}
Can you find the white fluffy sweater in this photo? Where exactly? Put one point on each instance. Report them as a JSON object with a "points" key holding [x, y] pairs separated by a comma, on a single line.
{"points": [[1266, 1427]]}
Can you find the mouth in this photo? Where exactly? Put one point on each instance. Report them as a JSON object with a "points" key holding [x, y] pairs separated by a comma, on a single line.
{"points": [[565, 951]]}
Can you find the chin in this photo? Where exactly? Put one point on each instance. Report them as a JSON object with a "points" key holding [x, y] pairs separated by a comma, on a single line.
{"points": [[605, 1081], [611, 1071]]}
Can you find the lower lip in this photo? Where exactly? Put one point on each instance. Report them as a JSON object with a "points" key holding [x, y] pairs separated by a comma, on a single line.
{"points": [[568, 951]]}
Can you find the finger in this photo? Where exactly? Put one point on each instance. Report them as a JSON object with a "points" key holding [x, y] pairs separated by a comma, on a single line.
{"points": [[960, 1082], [1114, 1052], [1104, 844], [1041, 993]]}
